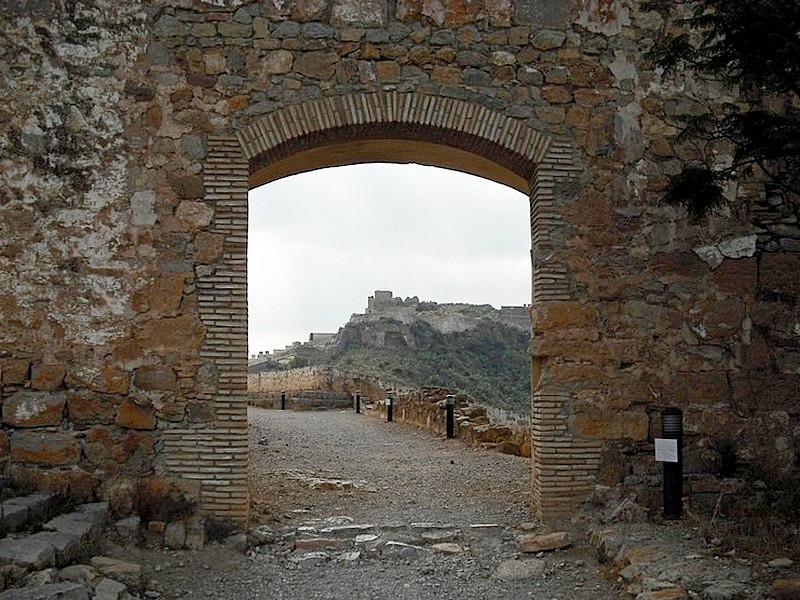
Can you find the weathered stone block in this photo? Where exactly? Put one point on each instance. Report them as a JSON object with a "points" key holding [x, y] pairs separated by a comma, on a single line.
{"points": [[83, 574], [162, 295], [492, 433], [548, 39], [308, 10], [128, 573], [387, 71], [175, 535], [136, 416], [27, 553], [209, 247], [553, 14], [724, 318], [187, 186], [457, 13], [408, 10], [604, 16], [85, 407], [44, 448], [499, 12], [540, 542], [143, 208], [86, 527], [183, 333], [158, 378], [34, 409], [316, 65], [193, 146], [702, 388], [15, 370], [513, 569], [234, 30], [449, 75], [50, 591], [66, 545], [106, 379], [366, 13], [107, 448], [129, 528], [194, 214], [47, 376], [738, 247], [601, 424], [13, 516], [277, 62], [551, 114]]}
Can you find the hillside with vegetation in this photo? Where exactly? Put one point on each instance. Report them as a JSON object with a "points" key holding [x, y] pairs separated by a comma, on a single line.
{"points": [[468, 348]]}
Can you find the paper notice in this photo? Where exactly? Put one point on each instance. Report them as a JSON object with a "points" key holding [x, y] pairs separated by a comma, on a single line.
{"points": [[666, 450]]}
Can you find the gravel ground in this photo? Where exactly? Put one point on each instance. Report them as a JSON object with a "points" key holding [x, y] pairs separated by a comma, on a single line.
{"points": [[315, 469], [398, 472]]}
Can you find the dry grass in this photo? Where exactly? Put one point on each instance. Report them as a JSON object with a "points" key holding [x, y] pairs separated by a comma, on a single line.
{"points": [[766, 535]]}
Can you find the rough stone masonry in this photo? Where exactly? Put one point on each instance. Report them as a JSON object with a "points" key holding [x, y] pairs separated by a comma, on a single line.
{"points": [[130, 133]]}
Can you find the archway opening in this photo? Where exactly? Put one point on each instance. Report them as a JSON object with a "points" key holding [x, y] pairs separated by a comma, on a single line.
{"points": [[563, 465], [322, 241]]}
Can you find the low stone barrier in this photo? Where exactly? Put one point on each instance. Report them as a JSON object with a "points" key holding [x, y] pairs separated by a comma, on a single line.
{"points": [[301, 400], [473, 422]]}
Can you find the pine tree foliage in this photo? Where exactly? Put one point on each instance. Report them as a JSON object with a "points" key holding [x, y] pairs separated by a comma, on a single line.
{"points": [[752, 44]]}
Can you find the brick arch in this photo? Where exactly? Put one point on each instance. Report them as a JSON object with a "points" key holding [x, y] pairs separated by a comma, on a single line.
{"points": [[308, 136], [361, 125]]}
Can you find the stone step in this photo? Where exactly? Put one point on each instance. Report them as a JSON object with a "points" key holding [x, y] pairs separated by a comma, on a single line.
{"points": [[60, 541], [26, 512], [51, 591], [87, 521]]}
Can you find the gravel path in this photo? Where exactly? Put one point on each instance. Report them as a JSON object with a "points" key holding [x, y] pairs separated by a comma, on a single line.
{"points": [[399, 472], [408, 489]]}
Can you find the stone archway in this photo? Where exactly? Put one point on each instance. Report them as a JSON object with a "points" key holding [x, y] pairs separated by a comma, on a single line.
{"points": [[123, 186], [378, 127]]}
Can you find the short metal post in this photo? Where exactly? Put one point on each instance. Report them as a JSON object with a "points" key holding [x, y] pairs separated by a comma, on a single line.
{"points": [[358, 402], [450, 408], [672, 429], [389, 408], [283, 400]]}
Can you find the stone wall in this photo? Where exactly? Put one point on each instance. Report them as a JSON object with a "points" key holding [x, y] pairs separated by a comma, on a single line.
{"points": [[309, 383], [131, 132], [478, 425]]}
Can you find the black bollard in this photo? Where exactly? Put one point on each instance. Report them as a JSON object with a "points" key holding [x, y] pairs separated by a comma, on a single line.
{"points": [[283, 400], [450, 408], [389, 409], [672, 433], [358, 402]]}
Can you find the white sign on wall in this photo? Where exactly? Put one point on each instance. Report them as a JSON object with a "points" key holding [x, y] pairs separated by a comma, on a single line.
{"points": [[666, 450]]}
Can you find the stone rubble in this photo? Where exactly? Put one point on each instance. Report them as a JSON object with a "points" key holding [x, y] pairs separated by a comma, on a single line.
{"points": [[304, 545], [37, 558], [654, 561]]}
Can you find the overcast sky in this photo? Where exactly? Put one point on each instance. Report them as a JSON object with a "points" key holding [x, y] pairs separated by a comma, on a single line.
{"points": [[321, 242]]}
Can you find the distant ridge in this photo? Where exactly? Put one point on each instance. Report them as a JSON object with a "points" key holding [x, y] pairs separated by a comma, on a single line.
{"points": [[475, 349]]}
